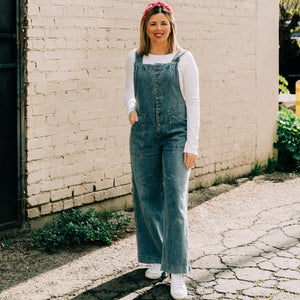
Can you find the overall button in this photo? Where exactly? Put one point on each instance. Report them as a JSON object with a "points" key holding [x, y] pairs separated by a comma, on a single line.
{"points": [[159, 124], [159, 114], [158, 95], [158, 104], [157, 85], [157, 75]]}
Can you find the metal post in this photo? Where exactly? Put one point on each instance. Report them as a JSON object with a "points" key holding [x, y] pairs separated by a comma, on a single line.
{"points": [[298, 98]]}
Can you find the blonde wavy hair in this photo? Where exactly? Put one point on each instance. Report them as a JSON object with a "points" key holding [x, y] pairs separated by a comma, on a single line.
{"points": [[144, 47]]}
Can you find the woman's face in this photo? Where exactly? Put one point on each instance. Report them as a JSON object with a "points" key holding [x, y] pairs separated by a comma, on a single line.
{"points": [[158, 28]]}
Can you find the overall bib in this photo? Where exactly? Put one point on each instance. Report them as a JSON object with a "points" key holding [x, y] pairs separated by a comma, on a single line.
{"points": [[159, 176]]}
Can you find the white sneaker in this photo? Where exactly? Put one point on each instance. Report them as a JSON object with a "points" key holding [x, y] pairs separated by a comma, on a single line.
{"points": [[178, 287], [154, 272]]}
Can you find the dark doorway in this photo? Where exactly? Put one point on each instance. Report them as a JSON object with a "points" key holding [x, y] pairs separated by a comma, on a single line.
{"points": [[11, 113]]}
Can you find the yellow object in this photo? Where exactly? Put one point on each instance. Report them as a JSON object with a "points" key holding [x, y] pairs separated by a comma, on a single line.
{"points": [[298, 98]]}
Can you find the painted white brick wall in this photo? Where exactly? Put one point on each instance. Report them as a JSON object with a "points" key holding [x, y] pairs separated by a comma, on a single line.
{"points": [[77, 127]]}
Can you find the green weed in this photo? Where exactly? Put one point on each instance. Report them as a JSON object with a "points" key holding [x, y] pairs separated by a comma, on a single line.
{"points": [[5, 242], [218, 180], [200, 186], [271, 166], [256, 170]]}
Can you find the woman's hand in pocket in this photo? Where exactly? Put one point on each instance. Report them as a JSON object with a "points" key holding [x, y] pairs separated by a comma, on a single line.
{"points": [[133, 117]]}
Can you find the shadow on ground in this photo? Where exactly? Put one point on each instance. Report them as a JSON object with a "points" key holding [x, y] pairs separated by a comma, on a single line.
{"points": [[133, 283]]}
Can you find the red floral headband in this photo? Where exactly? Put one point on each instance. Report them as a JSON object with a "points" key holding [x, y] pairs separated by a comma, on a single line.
{"points": [[151, 5]]}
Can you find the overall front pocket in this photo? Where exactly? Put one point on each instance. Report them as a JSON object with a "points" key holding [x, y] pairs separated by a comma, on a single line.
{"points": [[176, 119]]}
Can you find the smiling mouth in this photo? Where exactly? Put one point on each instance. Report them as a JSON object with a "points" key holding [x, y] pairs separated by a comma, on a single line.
{"points": [[158, 34]]}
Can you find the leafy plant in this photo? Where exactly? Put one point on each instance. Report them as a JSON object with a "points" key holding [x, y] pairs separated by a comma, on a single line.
{"points": [[283, 85], [271, 166], [291, 4], [217, 181], [288, 143], [288, 22], [75, 226], [200, 186], [5, 242], [256, 170]]}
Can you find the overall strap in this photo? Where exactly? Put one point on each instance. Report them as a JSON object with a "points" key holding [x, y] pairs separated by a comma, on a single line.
{"points": [[138, 58], [178, 55]]}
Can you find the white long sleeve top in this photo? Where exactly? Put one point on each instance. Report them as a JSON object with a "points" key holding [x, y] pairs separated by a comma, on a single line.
{"points": [[189, 85]]}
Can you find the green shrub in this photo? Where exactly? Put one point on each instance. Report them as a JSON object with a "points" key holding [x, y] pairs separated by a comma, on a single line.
{"points": [[288, 23], [283, 85], [288, 143], [75, 226]]}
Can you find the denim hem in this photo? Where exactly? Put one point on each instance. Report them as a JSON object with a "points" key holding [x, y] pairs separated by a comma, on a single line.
{"points": [[176, 269], [149, 259]]}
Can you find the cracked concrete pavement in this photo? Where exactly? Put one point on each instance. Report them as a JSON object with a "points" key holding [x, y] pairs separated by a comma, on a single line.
{"points": [[244, 244]]}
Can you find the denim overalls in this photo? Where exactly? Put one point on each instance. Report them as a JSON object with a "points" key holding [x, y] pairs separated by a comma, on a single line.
{"points": [[159, 176]]}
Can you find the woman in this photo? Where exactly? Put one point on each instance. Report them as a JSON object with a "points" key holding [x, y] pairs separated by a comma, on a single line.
{"points": [[162, 97]]}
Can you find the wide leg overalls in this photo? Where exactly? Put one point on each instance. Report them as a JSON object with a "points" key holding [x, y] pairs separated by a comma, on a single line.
{"points": [[159, 176]]}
